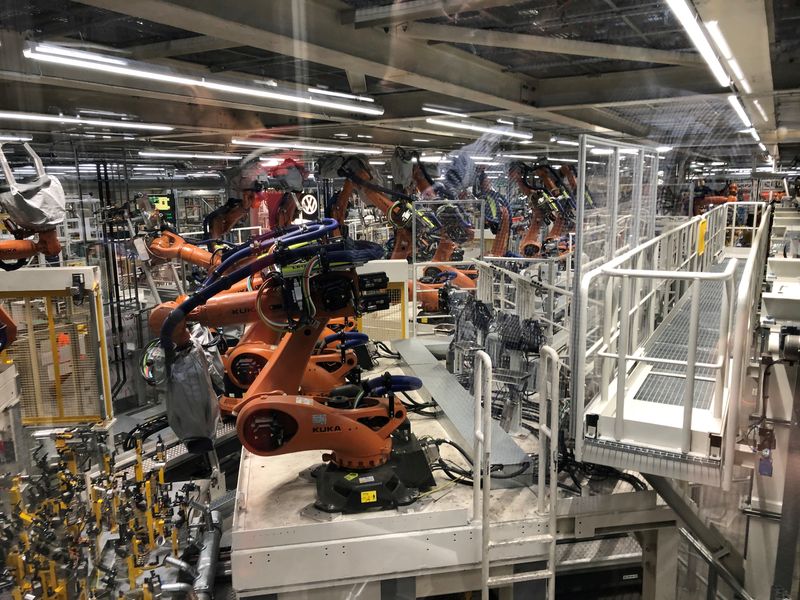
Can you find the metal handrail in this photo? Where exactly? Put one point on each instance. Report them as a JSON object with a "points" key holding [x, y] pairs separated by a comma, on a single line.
{"points": [[549, 357], [746, 308], [690, 267], [481, 455]]}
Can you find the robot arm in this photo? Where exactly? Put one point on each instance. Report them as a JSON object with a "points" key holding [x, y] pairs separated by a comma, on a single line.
{"points": [[221, 220], [170, 245], [21, 249], [531, 244]]}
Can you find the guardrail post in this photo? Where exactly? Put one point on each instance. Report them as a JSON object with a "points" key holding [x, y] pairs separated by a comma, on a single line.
{"points": [[481, 482], [724, 347], [622, 352], [688, 398]]}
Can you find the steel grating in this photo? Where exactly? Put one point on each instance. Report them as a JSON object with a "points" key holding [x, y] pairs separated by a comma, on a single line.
{"points": [[671, 341], [665, 389]]}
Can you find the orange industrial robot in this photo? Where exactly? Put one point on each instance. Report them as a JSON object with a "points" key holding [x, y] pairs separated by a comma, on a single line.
{"points": [[32, 211], [363, 427]]}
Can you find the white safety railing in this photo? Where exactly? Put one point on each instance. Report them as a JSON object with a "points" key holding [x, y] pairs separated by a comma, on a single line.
{"points": [[548, 460], [748, 301], [623, 302]]}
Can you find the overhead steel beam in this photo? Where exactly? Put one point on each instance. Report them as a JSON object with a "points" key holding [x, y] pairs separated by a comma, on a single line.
{"points": [[610, 120], [398, 12], [357, 82], [541, 43], [661, 82], [193, 45], [310, 31]]}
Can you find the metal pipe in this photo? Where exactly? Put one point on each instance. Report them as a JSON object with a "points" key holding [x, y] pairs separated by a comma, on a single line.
{"points": [[181, 565], [177, 588], [207, 561]]}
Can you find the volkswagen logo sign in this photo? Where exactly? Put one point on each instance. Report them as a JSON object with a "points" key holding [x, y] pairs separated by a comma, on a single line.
{"points": [[309, 205]]}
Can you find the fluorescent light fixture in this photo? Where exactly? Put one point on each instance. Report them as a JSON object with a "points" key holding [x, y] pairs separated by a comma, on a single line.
{"points": [[270, 161], [519, 156], [377, 162], [14, 138], [362, 136], [719, 39], [480, 157], [688, 20], [717, 163], [737, 70], [198, 156], [98, 62], [22, 116], [422, 140], [664, 149], [755, 135], [556, 166], [325, 92], [480, 128], [442, 111], [79, 54], [148, 168], [568, 160], [269, 82], [102, 113], [762, 146], [505, 122], [341, 135], [567, 143], [495, 172], [487, 162], [434, 159], [737, 106], [296, 145], [760, 110], [601, 151]]}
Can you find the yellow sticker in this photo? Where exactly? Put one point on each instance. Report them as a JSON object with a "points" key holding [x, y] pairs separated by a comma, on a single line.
{"points": [[371, 496], [160, 202], [701, 236], [351, 476]]}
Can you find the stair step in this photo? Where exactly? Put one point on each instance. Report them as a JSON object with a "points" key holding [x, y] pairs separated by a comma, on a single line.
{"points": [[502, 580]]}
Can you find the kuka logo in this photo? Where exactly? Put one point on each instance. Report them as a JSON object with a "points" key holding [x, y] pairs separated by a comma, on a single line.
{"points": [[326, 429]]}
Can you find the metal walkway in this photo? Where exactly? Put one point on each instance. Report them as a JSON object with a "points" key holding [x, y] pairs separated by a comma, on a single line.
{"points": [[671, 339]]}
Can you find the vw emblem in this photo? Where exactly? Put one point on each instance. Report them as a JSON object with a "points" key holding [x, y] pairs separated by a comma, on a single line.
{"points": [[308, 204]]}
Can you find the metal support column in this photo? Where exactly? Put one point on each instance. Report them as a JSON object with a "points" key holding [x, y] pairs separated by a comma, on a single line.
{"points": [[786, 552]]}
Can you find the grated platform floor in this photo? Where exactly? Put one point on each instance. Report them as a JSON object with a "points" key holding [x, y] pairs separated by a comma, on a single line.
{"points": [[671, 341]]}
